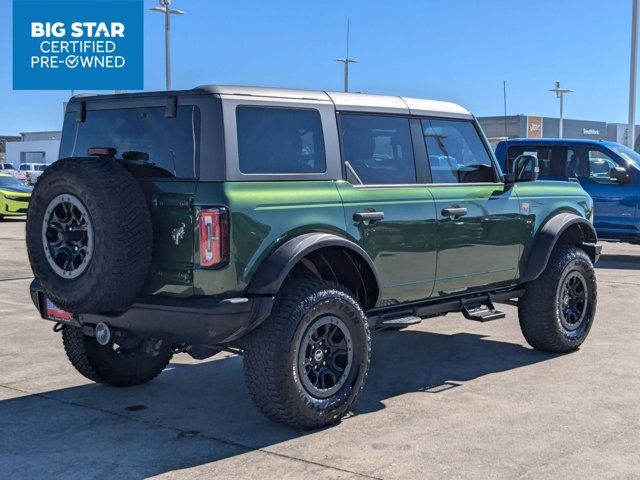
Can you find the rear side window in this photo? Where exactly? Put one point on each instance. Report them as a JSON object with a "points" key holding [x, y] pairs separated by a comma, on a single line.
{"points": [[170, 144], [378, 149], [456, 152], [280, 140]]}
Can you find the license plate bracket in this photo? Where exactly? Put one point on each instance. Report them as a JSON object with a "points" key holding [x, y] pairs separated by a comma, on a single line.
{"points": [[57, 314]]}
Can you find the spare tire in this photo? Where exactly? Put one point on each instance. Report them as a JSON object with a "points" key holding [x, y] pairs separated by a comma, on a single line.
{"points": [[89, 235]]}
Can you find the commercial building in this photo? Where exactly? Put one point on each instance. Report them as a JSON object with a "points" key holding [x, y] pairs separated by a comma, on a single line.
{"points": [[33, 147], [500, 128], [3, 141]]}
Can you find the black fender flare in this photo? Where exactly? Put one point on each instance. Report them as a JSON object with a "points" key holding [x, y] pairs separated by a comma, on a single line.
{"points": [[274, 270], [547, 238]]}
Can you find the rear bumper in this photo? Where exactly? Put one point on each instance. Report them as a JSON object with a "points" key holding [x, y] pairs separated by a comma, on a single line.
{"points": [[196, 321]]}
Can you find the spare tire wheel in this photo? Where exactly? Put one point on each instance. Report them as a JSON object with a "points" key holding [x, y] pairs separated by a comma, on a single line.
{"points": [[89, 235]]}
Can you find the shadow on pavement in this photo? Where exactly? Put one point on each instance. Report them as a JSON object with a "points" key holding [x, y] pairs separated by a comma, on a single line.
{"points": [[619, 262], [199, 414]]}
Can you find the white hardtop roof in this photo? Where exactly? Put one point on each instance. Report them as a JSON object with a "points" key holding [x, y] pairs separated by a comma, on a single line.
{"points": [[360, 102]]}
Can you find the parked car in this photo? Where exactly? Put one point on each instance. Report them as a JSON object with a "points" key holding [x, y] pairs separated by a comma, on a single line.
{"points": [[9, 169], [284, 225], [14, 196], [608, 171], [30, 172]]}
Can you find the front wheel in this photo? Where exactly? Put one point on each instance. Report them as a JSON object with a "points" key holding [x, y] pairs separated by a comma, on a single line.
{"points": [[307, 363], [557, 310]]}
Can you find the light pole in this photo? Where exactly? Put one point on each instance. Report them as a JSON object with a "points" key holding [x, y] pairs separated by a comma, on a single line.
{"points": [[346, 62], [164, 8], [560, 94], [631, 137]]}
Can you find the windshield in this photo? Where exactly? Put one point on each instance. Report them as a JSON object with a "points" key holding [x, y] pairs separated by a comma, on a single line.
{"points": [[629, 155], [6, 166], [9, 182]]}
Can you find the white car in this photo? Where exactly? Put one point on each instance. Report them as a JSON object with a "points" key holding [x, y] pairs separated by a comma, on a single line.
{"points": [[30, 172], [8, 168]]}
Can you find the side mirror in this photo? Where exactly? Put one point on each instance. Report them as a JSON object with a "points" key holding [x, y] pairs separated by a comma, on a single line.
{"points": [[620, 175], [525, 169]]}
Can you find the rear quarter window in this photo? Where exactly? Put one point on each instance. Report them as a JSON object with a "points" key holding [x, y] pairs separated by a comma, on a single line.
{"points": [[275, 140], [172, 144]]}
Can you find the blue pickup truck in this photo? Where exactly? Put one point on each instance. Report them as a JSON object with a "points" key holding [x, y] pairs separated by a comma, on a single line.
{"points": [[608, 171]]}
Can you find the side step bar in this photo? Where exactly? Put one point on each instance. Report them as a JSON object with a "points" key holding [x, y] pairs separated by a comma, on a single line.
{"points": [[478, 308], [482, 313], [398, 322]]}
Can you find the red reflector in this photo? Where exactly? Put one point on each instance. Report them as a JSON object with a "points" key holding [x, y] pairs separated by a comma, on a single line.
{"points": [[213, 237]]}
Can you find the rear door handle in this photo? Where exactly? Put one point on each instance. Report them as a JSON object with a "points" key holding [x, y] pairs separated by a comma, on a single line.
{"points": [[454, 212], [368, 216]]}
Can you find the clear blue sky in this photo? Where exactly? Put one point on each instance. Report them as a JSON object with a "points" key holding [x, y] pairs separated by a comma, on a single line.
{"points": [[458, 50]]}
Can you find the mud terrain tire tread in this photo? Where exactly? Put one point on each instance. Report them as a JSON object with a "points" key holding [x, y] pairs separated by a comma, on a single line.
{"points": [[268, 357], [538, 308], [123, 235]]}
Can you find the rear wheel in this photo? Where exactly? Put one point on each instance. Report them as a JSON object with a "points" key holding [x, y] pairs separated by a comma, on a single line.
{"points": [[557, 311], [113, 364], [307, 363]]}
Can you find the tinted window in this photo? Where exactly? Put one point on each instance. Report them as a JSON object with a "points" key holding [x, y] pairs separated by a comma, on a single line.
{"points": [[551, 160], [170, 143], [24, 168], [280, 140], [600, 165], [378, 148], [456, 152]]}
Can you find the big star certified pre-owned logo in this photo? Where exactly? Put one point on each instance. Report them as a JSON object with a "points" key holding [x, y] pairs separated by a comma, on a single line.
{"points": [[77, 44]]}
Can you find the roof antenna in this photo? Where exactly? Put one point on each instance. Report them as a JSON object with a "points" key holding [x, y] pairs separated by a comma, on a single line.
{"points": [[346, 60]]}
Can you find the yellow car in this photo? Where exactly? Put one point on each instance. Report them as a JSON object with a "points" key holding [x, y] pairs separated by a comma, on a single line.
{"points": [[14, 196]]}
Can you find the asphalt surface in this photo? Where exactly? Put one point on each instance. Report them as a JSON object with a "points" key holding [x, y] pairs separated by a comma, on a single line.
{"points": [[448, 398]]}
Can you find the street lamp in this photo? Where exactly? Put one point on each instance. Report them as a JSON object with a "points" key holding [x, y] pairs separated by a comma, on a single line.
{"points": [[560, 94], [346, 62], [631, 137], [164, 8]]}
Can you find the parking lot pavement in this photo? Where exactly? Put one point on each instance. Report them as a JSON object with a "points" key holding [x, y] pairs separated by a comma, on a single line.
{"points": [[448, 398]]}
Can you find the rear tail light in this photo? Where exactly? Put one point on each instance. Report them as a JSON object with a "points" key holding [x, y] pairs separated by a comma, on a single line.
{"points": [[214, 235]]}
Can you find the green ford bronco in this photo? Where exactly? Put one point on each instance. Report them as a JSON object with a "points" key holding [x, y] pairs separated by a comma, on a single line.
{"points": [[285, 225]]}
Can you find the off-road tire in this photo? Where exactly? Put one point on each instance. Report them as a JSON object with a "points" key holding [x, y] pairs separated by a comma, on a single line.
{"points": [[539, 308], [271, 357], [122, 235], [103, 364]]}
